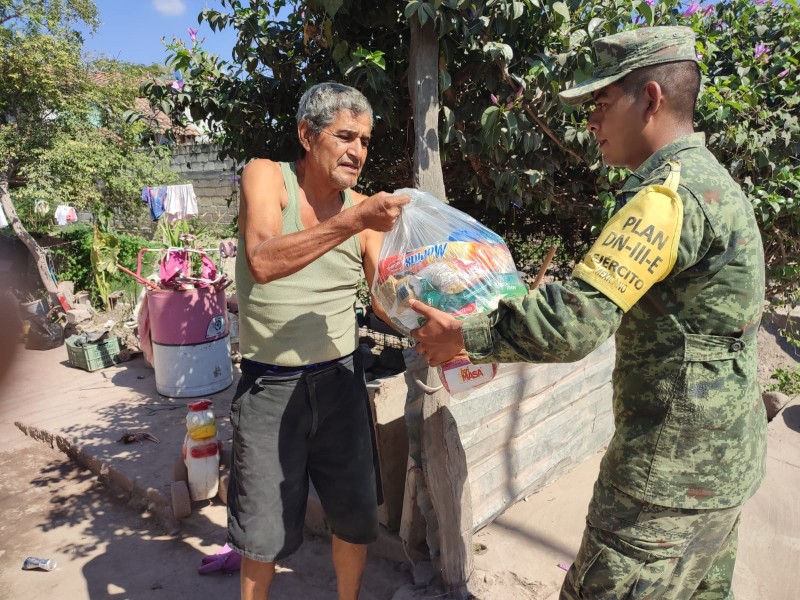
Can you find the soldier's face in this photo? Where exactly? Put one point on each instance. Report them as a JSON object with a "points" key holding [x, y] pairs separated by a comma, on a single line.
{"points": [[617, 126], [340, 149]]}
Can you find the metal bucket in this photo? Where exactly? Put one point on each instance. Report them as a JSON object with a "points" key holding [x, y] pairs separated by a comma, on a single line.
{"points": [[191, 342]]}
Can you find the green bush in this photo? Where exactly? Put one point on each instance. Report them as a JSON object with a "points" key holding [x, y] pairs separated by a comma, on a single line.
{"points": [[72, 261]]}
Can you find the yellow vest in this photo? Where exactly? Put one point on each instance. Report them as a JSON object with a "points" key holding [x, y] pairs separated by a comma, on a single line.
{"points": [[309, 316]]}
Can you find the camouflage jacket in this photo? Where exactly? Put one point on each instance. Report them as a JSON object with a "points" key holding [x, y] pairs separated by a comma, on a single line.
{"points": [[690, 427]]}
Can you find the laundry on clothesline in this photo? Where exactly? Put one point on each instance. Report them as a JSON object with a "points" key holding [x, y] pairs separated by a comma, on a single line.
{"points": [[180, 203], [154, 198], [65, 214], [41, 207], [177, 201]]}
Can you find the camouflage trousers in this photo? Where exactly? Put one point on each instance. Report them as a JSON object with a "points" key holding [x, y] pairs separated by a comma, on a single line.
{"points": [[632, 550]]}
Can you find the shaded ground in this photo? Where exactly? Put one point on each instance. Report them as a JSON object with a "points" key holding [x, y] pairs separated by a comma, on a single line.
{"points": [[52, 508]]}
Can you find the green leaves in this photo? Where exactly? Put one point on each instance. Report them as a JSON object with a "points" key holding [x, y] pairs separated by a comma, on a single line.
{"points": [[422, 9], [498, 51], [561, 10], [501, 66], [332, 6]]}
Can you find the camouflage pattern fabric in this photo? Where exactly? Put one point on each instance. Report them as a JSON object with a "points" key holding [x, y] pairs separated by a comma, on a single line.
{"points": [[690, 427], [619, 54], [634, 550]]}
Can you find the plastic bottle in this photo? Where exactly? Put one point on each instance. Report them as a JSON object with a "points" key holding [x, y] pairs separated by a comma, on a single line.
{"points": [[201, 451]]}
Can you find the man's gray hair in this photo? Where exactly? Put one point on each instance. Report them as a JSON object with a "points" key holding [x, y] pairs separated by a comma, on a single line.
{"points": [[320, 104]]}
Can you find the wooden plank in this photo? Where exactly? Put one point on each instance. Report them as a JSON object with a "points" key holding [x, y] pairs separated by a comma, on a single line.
{"points": [[444, 464], [528, 462], [391, 437], [412, 524]]}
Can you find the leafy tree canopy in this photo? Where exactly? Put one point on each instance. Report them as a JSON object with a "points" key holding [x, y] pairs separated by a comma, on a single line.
{"points": [[63, 138], [35, 16], [512, 154]]}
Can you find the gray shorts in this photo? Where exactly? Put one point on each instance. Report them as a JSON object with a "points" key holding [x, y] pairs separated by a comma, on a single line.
{"points": [[289, 428]]}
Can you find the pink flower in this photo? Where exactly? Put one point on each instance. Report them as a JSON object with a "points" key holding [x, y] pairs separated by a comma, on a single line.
{"points": [[698, 56], [708, 10], [693, 7], [193, 34], [178, 85], [761, 1], [493, 98], [761, 52], [650, 2], [783, 73]]}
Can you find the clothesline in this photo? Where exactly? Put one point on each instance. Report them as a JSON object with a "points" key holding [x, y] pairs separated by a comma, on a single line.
{"points": [[178, 202], [63, 214]]}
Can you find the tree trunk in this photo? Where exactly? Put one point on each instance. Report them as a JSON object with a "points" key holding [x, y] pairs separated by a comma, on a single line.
{"points": [[39, 255], [444, 465], [423, 84]]}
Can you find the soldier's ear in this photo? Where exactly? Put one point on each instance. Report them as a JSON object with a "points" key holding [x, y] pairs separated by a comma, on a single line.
{"points": [[653, 98]]}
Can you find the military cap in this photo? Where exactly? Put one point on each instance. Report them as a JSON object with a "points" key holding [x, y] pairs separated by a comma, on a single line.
{"points": [[619, 54]]}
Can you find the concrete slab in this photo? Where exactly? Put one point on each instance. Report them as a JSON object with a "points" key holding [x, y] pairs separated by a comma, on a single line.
{"points": [[85, 414]]}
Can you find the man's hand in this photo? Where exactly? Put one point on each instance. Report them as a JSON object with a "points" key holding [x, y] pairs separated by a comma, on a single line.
{"points": [[439, 339], [381, 211]]}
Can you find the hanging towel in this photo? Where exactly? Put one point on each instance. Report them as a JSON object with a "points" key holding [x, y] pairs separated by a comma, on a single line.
{"points": [[41, 207], [65, 214], [3, 220], [180, 202], [154, 198]]}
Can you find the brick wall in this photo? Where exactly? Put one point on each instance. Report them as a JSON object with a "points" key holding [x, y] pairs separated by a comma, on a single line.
{"points": [[212, 178]]}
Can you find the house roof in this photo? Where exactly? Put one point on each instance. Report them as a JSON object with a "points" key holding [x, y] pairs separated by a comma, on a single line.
{"points": [[158, 119]]}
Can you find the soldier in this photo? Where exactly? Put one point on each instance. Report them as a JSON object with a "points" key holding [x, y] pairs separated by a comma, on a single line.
{"points": [[678, 275]]}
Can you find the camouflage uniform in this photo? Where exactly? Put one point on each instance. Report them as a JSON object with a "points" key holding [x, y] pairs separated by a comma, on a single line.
{"points": [[690, 429]]}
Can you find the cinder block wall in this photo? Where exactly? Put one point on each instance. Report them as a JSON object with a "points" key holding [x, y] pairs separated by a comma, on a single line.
{"points": [[214, 180]]}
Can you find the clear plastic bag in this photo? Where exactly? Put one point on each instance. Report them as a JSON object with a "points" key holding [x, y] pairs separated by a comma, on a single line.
{"points": [[446, 259]]}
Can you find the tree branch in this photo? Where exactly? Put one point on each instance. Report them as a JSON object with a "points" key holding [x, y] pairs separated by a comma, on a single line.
{"points": [[553, 136], [9, 17]]}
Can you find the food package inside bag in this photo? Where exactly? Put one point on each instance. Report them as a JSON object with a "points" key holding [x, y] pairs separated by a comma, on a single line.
{"points": [[446, 259]]}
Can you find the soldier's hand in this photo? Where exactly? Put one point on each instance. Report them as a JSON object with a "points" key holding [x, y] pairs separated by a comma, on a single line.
{"points": [[381, 211], [439, 339]]}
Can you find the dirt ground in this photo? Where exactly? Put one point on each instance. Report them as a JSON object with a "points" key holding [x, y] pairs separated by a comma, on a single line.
{"points": [[774, 351], [51, 507]]}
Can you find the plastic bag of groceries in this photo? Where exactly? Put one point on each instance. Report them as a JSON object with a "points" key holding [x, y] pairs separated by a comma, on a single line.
{"points": [[446, 259]]}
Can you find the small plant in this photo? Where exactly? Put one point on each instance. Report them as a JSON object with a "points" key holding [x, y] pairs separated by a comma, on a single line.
{"points": [[788, 381]]}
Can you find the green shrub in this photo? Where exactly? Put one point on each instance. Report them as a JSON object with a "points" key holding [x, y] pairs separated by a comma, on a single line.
{"points": [[72, 261]]}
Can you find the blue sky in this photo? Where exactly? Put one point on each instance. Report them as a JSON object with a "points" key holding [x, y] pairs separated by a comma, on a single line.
{"points": [[131, 30]]}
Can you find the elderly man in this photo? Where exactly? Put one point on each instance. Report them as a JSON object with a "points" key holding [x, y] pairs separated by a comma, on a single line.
{"points": [[300, 411], [678, 275]]}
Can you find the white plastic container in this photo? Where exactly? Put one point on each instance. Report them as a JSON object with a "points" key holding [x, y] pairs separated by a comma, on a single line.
{"points": [[201, 450], [202, 465]]}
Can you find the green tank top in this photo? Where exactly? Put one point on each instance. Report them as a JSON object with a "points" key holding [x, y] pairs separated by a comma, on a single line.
{"points": [[309, 316]]}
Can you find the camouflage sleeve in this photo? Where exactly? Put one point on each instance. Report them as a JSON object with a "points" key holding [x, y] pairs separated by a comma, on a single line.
{"points": [[696, 233], [553, 323]]}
